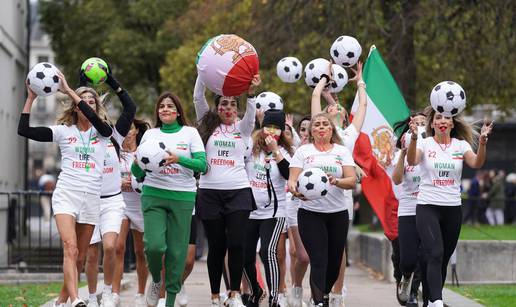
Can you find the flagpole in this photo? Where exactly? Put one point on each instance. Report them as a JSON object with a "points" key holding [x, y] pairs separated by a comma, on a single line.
{"points": [[373, 47]]}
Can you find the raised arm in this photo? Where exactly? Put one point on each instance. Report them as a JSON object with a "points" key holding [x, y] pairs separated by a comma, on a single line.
{"points": [[123, 124], [477, 160], [40, 134], [200, 103], [359, 116], [102, 127], [316, 95], [397, 174], [246, 125], [413, 154]]}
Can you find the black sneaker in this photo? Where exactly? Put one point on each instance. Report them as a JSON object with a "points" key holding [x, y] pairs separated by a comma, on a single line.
{"points": [[412, 301], [245, 298], [254, 300]]}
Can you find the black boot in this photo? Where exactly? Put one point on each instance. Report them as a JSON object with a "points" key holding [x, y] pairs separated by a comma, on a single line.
{"points": [[254, 300]]}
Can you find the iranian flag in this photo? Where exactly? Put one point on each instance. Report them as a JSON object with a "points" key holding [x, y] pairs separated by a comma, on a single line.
{"points": [[374, 148]]}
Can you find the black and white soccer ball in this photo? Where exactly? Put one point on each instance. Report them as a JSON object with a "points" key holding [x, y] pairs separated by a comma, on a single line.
{"points": [[43, 79], [313, 183], [269, 101], [289, 69], [448, 98], [345, 51], [314, 69], [340, 78], [136, 185], [151, 156]]}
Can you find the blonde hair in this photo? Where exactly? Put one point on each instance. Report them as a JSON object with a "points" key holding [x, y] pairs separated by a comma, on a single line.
{"points": [[69, 115], [461, 129], [335, 138]]}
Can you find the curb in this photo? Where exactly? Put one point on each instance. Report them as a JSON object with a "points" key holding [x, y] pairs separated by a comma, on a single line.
{"points": [[454, 299], [84, 293]]}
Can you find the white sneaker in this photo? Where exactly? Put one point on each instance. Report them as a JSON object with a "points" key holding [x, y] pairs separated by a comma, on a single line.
{"points": [[153, 293], [162, 302], [436, 303], [107, 300], [116, 299], [182, 297], [336, 300], [139, 300], [235, 301], [215, 302], [282, 300], [296, 297]]}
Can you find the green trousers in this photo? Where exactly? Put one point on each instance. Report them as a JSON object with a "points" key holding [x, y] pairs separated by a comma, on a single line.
{"points": [[166, 233]]}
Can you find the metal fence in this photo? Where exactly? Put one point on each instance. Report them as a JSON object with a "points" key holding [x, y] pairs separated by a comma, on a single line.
{"points": [[33, 242]]}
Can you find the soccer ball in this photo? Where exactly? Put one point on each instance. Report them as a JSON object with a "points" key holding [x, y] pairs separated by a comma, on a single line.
{"points": [[136, 185], [96, 70], [314, 69], [269, 101], [313, 183], [43, 79], [150, 156], [340, 78], [345, 51], [448, 98], [289, 69]]}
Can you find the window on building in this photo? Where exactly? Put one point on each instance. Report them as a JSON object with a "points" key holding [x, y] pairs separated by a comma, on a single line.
{"points": [[42, 58]]}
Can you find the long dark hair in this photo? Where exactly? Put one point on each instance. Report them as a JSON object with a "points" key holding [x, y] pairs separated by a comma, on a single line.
{"points": [[259, 143], [142, 126], [181, 118], [210, 121], [401, 127]]}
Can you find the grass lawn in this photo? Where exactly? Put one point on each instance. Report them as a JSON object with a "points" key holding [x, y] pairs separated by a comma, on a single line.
{"points": [[470, 232], [489, 295], [29, 294]]}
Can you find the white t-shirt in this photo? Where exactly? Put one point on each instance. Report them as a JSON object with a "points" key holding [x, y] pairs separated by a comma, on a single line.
{"points": [[441, 171], [255, 168], [225, 151], [407, 198], [82, 159], [349, 137], [111, 180], [331, 162], [126, 160], [175, 177]]}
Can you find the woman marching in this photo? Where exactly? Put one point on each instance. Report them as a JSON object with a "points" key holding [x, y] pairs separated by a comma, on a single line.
{"points": [[438, 214], [267, 168], [409, 244], [168, 196], [298, 257], [348, 133], [111, 204], [323, 223], [225, 198], [133, 215], [82, 136]]}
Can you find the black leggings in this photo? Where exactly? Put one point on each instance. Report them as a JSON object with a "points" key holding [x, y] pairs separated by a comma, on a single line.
{"points": [[410, 252], [324, 236], [268, 231], [226, 233], [439, 229]]}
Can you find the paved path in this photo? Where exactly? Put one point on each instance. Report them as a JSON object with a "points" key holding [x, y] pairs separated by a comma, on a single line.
{"points": [[365, 289]]}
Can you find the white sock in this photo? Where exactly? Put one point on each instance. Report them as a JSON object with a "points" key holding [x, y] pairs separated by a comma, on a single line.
{"points": [[107, 289], [92, 297]]}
